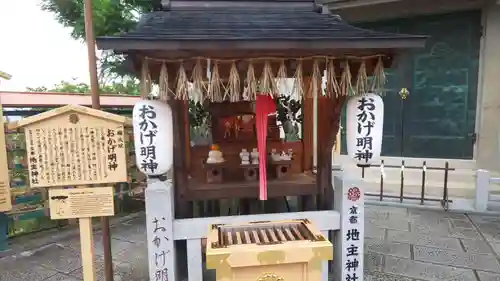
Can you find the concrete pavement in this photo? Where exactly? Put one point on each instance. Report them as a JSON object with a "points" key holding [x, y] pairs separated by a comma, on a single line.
{"points": [[401, 245]]}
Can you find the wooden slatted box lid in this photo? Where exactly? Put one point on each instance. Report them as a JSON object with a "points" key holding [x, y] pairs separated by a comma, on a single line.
{"points": [[282, 248], [263, 233]]}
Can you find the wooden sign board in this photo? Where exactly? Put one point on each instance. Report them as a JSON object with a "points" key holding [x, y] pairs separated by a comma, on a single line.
{"points": [[75, 145], [5, 199], [81, 202]]}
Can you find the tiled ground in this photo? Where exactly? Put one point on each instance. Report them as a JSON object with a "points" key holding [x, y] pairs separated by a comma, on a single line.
{"points": [[401, 245]]}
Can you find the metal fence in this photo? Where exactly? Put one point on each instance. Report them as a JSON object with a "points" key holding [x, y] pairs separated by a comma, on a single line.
{"points": [[444, 200]]}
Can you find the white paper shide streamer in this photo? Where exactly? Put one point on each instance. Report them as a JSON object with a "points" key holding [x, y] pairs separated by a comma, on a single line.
{"points": [[365, 124], [153, 137]]}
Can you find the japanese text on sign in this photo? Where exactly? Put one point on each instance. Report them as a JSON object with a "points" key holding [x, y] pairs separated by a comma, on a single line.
{"points": [[365, 122], [75, 155], [148, 131], [160, 251], [81, 202], [353, 228], [5, 199]]}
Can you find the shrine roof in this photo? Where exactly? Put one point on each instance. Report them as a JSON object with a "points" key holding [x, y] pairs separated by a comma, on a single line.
{"points": [[66, 109], [251, 26]]}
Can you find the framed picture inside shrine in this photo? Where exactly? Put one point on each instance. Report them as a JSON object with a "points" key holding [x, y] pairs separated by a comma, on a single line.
{"points": [[75, 145]]}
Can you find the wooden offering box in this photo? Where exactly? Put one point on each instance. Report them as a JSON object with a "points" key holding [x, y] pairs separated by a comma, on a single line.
{"points": [[250, 172], [267, 251], [282, 168], [215, 172]]}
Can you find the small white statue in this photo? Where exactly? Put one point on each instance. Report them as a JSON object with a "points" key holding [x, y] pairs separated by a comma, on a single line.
{"points": [[215, 155], [245, 157], [284, 156], [255, 156], [275, 156]]}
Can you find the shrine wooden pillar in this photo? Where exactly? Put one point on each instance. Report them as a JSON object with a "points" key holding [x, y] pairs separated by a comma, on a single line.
{"points": [[183, 208], [307, 126], [307, 202], [324, 155], [329, 112]]}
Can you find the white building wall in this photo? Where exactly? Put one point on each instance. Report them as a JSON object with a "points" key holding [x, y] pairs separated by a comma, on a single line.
{"points": [[488, 113], [487, 148]]}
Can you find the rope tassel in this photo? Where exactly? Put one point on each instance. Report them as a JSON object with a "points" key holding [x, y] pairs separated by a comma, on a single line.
{"points": [[362, 80], [233, 89], [315, 80], [267, 82], [145, 80], [299, 79], [198, 86], [281, 79], [181, 90], [379, 78], [345, 80], [332, 84], [214, 88], [251, 83], [163, 83]]}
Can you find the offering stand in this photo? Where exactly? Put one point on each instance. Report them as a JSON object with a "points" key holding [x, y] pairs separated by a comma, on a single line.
{"points": [[71, 150], [232, 56]]}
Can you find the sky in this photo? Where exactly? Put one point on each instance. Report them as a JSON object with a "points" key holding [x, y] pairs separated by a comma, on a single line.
{"points": [[35, 49]]}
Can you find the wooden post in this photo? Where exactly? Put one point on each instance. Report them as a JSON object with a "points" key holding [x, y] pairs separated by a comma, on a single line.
{"points": [[87, 249], [349, 202], [307, 126], [94, 86], [315, 129], [83, 203], [4, 224], [324, 152], [338, 145], [182, 206], [306, 202], [159, 227]]}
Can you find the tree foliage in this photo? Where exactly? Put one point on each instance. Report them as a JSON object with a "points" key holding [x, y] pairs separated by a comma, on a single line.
{"points": [[127, 87], [110, 17]]}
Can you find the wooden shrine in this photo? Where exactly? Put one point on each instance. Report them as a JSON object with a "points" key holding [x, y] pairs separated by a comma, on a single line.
{"points": [[224, 55]]}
